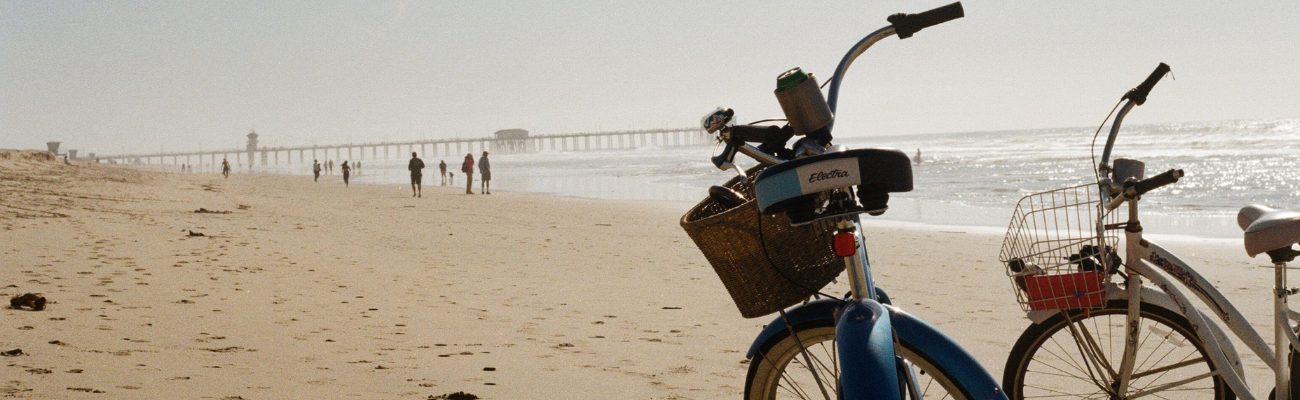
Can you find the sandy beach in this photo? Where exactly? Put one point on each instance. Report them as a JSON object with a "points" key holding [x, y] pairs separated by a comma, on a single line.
{"points": [[302, 290]]}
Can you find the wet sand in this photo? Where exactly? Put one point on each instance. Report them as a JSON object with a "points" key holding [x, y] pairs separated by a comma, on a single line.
{"points": [[312, 290]]}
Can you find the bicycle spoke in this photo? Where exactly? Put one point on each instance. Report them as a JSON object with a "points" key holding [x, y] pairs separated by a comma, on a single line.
{"points": [[1061, 394], [1094, 351], [794, 387], [1165, 369], [830, 370], [1142, 345], [1068, 360], [1170, 385], [1082, 375], [1084, 346], [803, 351]]}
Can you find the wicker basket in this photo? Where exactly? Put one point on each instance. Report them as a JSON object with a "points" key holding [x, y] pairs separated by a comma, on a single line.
{"points": [[739, 251], [1052, 253]]}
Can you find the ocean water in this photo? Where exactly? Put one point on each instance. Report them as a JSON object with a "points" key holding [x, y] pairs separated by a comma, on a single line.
{"points": [[965, 178]]}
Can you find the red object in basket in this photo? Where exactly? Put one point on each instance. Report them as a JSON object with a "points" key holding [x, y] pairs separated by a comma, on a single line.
{"points": [[1073, 290]]}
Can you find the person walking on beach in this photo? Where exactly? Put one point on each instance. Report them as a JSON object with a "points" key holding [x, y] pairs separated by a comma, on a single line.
{"points": [[416, 166], [468, 168], [225, 167], [442, 169], [315, 169], [347, 172], [918, 156], [485, 174]]}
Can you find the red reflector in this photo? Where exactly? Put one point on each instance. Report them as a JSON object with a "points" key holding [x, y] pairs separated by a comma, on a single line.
{"points": [[846, 243]]}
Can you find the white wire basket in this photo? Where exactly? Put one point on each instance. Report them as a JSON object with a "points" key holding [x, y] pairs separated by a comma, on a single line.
{"points": [[1052, 253]]}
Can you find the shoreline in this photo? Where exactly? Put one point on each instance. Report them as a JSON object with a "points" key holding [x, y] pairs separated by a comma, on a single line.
{"points": [[904, 209]]}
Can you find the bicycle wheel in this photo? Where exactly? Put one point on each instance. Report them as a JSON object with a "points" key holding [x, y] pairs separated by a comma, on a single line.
{"points": [[781, 371], [1070, 355]]}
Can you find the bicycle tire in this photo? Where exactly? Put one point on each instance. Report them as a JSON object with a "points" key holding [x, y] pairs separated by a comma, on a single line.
{"points": [[1023, 373], [771, 366]]}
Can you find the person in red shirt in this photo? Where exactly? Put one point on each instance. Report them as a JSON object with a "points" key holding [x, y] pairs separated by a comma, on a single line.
{"points": [[468, 168]]}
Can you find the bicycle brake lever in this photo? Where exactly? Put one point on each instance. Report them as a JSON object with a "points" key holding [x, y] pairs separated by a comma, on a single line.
{"points": [[725, 160]]}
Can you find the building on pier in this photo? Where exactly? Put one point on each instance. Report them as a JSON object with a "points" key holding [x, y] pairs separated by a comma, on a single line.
{"points": [[511, 141]]}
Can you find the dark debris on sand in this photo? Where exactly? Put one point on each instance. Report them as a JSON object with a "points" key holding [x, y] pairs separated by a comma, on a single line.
{"points": [[453, 396], [30, 301]]}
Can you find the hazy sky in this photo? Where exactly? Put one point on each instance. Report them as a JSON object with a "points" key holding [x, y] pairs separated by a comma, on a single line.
{"points": [[113, 76]]}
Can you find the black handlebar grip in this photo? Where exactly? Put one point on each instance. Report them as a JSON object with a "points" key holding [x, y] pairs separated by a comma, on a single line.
{"points": [[907, 24], [1139, 93], [1152, 183], [754, 133]]}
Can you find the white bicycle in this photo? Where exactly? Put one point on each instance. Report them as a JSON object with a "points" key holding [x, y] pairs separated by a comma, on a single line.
{"points": [[1092, 337]]}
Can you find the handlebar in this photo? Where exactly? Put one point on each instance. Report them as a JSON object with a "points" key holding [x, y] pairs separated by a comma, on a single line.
{"points": [[907, 24], [736, 139], [901, 24], [756, 134], [1142, 187], [1155, 182], [904, 25], [1139, 94], [1135, 97]]}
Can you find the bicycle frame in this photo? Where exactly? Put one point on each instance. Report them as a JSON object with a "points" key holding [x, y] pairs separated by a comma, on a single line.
{"points": [[1167, 272]]}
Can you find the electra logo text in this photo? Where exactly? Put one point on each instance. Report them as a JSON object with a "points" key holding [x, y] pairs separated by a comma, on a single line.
{"points": [[832, 174]]}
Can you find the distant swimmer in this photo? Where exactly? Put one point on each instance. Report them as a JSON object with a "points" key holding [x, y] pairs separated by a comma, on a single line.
{"points": [[225, 167], [347, 172], [416, 166]]}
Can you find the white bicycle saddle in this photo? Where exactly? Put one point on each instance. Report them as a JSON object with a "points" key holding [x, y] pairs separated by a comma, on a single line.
{"points": [[1268, 228]]}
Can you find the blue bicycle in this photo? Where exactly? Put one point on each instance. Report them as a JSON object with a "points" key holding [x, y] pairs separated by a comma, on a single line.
{"points": [[779, 233]]}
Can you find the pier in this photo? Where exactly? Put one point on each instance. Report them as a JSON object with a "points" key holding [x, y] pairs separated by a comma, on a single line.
{"points": [[509, 141]]}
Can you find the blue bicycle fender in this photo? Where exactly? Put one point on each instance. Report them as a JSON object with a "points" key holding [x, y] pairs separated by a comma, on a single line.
{"points": [[813, 310], [939, 349], [866, 348]]}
